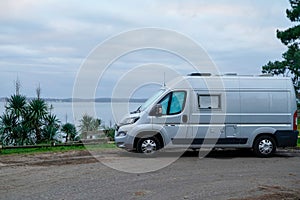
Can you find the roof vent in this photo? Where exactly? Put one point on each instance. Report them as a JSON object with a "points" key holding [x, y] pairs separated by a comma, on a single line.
{"points": [[199, 74], [266, 75], [230, 74]]}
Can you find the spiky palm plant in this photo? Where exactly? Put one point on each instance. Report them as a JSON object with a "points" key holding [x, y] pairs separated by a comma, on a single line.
{"points": [[6, 124], [16, 106], [70, 131], [88, 123], [37, 112], [51, 127]]}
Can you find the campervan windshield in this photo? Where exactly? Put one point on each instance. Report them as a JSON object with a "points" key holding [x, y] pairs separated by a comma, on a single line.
{"points": [[151, 99]]}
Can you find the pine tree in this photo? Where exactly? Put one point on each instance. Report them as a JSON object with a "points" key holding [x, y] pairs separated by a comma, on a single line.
{"points": [[290, 37]]}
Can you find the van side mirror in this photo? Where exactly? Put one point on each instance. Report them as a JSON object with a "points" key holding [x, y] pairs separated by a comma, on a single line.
{"points": [[156, 111]]}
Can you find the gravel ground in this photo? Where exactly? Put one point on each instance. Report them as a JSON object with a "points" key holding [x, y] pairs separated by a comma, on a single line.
{"points": [[220, 175]]}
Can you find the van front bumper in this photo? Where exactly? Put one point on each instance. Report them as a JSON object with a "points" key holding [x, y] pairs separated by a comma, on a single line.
{"points": [[124, 142], [286, 138], [124, 145]]}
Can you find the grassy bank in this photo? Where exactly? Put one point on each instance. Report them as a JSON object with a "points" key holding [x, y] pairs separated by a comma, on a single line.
{"points": [[56, 149], [65, 148]]}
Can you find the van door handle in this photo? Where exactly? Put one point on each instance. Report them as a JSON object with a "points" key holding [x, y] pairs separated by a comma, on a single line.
{"points": [[184, 118]]}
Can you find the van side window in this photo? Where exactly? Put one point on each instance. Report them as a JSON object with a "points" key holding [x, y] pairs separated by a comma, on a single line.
{"points": [[178, 99], [164, 103], [173, 103], [206, 101]]}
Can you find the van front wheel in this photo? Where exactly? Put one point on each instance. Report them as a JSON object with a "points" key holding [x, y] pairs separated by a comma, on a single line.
{"points": [[148, 145], [264, 146]]}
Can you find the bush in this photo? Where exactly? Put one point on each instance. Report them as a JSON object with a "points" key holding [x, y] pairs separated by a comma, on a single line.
{"points": [[110, 133]]}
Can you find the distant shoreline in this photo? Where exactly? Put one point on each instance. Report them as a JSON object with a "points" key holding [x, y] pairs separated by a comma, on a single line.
{"points": [[97, 100]]}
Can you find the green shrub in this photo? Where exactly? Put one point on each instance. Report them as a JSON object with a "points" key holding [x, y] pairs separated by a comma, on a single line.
{"points": [[110, 133]]}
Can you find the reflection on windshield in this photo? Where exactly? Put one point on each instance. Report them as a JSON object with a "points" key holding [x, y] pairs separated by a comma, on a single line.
{"points": [[151, 100]]}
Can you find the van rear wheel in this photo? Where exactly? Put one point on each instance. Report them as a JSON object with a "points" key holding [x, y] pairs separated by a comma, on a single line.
{"points": [[148, 145], [264, 146]]}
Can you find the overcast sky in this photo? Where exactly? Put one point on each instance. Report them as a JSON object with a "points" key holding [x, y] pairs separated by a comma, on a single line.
{"points": [[46, 42]]}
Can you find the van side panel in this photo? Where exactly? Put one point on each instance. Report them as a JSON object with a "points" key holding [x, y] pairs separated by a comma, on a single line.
{"points": [[251, 106], [221, 123], [268, 109]]}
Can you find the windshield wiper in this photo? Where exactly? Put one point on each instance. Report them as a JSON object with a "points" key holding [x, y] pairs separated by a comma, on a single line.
{"points": [[137, 110]]}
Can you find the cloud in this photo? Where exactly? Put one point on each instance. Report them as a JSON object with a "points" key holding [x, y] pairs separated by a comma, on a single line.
{"points": [[228, 24], [54, 37], [14, 9]]}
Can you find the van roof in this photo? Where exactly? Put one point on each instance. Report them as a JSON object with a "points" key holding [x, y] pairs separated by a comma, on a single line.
{"points": [[232, 82]]}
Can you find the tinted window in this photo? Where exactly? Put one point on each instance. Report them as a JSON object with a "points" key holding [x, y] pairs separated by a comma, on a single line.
{"points": [[165, 103], [177, 103], [173, 103]]}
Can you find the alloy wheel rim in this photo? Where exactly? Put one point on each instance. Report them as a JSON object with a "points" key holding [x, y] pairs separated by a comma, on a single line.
{"points": [[265, 146], [148, 146]]}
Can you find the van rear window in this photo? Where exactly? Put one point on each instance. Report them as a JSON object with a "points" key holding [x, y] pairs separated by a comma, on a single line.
{"points": [[206, 101]]}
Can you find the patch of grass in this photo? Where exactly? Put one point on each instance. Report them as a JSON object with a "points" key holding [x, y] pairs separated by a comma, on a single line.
{"points": [[101, 146], [55, 149]]}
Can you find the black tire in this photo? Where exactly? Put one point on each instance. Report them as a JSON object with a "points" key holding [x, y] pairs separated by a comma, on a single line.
{"points": [[148, 145], [264, 146]]}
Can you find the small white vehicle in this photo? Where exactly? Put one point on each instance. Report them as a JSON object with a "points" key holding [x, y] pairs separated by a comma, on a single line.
{"points": [[255, 112]]}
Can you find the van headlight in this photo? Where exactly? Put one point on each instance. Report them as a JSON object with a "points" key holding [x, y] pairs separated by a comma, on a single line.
{"points": [[130, 120], [121, 134]]}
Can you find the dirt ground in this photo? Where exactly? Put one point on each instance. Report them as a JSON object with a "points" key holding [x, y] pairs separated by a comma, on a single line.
{"points": [[46, 159], [234, 175]]}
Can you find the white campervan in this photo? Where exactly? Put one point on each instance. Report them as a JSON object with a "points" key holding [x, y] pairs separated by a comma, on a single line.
{"points": [[201, 110]]}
